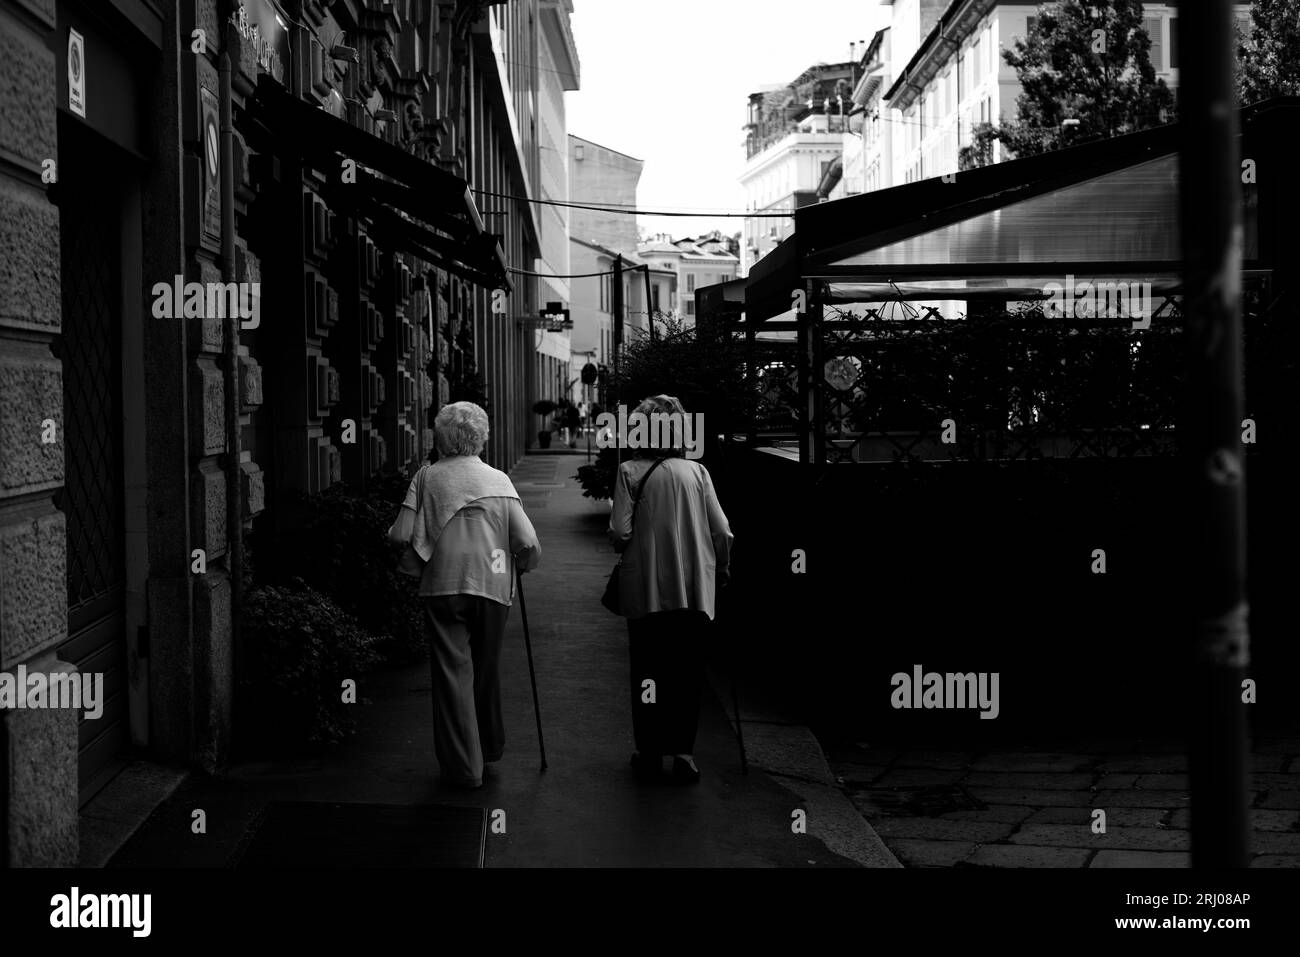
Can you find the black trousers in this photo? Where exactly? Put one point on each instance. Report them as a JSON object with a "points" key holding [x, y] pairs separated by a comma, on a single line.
{"points": [[667, 648]]}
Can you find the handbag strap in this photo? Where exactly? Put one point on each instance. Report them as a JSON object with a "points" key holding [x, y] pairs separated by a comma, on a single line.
{"points": [[419, 491], [641, 488]]}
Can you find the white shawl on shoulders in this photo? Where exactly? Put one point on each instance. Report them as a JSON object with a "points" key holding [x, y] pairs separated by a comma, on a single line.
{"points": [[449, 485]]}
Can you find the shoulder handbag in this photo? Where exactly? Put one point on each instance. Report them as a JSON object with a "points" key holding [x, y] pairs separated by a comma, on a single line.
{"points": [[410, 563], [613, 598]]}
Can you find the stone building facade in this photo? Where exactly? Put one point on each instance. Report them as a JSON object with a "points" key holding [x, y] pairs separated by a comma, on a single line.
{"points": [[361, 174]]}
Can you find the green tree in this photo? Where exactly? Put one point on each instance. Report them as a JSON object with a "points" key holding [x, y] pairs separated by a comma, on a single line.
{"points": [[1085, 63], [704, 368], [1268, 54]]}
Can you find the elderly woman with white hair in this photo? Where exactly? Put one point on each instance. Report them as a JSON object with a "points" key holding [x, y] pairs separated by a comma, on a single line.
{"points": [[676, 547], [471, 530]]}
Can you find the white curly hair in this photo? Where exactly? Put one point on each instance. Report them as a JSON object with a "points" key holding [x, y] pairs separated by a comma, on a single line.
{"points": [[460, 428]]}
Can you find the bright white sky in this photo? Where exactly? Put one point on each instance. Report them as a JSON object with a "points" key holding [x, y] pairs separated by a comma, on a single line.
{"points": [[668, 83]]}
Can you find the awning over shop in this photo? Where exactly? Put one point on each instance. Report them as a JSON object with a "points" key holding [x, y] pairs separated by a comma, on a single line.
{"points": [[1129, 216], [415, 206], [1101, 210], [557, 345]]}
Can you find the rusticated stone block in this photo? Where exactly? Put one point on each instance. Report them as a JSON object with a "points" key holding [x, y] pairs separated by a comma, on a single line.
{"points": [[33, 586], [44, 9], [254, 489], [247, 266], [250, 380], [243, 176], [42, 781], [27, 72], [208, 504], [29, 269], [206, 331], [207, 17], [207, 408], [31, 392]]}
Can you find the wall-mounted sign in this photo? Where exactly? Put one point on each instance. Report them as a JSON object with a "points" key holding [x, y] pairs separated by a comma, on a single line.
{"points": [[76, 73], [210, 111], [556, 317], [260, 22], [211, 145]]}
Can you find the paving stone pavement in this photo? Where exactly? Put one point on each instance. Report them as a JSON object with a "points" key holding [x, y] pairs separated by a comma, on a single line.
{"points": [[1036, 809]]}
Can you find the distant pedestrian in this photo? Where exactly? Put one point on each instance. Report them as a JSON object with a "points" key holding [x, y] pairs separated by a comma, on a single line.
{"points": [[673, 560], [571, 422], [470, 528]]}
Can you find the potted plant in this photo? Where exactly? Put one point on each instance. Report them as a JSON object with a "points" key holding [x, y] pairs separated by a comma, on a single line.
{"points": [[544, 407]]}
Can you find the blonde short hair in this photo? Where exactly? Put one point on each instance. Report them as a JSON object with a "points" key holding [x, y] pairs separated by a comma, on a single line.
{"points": [[663, 405], [460, 428]]}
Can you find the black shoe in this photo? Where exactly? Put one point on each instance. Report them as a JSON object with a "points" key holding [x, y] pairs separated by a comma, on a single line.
{"points": [[648, 768], [685, 772]]}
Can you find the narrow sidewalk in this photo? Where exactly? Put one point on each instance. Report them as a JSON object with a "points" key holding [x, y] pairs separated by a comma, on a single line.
{"points": [[586, 809]]}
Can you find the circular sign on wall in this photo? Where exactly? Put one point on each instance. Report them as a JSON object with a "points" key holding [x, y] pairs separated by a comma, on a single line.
{"points": [[210, 143]]}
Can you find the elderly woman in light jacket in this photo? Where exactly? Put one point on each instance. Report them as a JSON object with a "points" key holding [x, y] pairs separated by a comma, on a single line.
{"points": [[471, 530], [673, 560]]}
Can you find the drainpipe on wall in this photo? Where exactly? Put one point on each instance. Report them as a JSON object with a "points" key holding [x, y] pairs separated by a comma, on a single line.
{"points": [[234, 498]]}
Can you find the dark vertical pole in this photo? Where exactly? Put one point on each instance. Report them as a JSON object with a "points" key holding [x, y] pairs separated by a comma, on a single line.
{"points": [[1210, 210], [234, 473], [649, 313], [804, 385], [617, 306], [817, 429], [804, 347], [751, 377]]}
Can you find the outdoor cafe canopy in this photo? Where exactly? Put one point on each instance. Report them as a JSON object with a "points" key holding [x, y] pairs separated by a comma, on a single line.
{"points": [[1106, 210]]}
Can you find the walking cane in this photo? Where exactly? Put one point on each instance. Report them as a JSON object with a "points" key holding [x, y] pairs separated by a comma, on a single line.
{"points": [[735, 706], [528, 645]]}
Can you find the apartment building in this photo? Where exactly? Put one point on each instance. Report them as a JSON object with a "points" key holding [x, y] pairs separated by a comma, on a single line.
{"points": [[954, 77]]}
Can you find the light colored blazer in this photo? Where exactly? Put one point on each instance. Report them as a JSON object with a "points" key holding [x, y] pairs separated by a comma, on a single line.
{"points": [[682, 537]]}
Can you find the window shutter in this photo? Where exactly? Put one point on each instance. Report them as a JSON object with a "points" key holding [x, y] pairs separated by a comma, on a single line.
{"points": [[1153, 28]]}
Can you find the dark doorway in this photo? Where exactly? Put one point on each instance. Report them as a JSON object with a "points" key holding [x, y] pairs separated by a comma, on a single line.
{"points": [[90, 200]]}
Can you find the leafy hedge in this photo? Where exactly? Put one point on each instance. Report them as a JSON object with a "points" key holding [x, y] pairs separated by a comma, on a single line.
{"points": [[301, 647], [704, 370], [343, 551], [597, 479]]}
